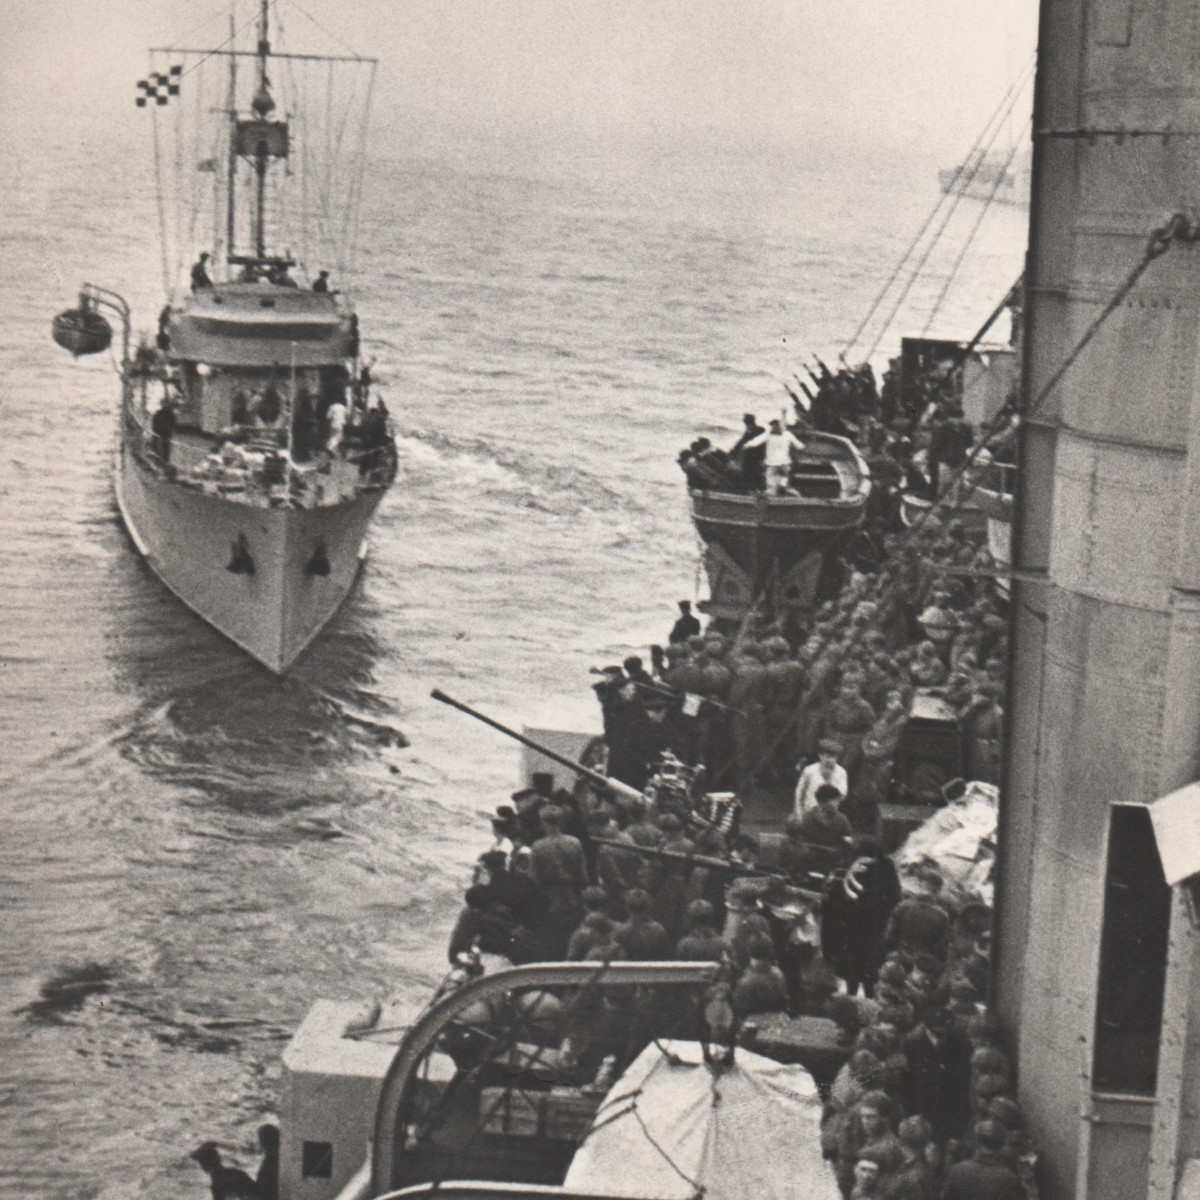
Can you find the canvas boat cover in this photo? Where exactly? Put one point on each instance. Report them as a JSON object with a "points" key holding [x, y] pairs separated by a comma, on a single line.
{"points": [[671, 1128], [960, 840]]}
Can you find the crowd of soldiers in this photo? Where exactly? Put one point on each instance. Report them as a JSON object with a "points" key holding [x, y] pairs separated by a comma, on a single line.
{"points": [[760, 704], [922, 1107], [815, 702], [904, 608], [912, 431]]}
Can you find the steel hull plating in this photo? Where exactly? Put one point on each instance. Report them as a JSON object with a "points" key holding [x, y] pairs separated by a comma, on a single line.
{"points": [[189, 540]]}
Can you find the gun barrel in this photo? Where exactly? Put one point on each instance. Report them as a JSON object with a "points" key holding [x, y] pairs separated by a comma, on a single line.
{"points": [[696, 860], [615, 786]]}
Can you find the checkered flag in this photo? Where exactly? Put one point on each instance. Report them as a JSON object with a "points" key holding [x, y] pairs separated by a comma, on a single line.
{"points": [[159, 88]]}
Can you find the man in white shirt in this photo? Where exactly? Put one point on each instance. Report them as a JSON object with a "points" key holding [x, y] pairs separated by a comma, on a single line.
{"points": [[826, 770], [335, 420], [779, 444]]}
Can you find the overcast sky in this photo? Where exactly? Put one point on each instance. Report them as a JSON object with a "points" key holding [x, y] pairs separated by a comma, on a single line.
{"points": [[889, 76]]}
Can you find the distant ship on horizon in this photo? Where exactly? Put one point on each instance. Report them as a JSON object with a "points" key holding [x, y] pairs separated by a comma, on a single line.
{"points": [[1000, 177]]}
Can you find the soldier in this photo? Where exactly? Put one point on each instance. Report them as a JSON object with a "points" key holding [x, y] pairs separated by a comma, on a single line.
{"points": [[557, 865], [162, 426], [228, 1183], [200, 276]]}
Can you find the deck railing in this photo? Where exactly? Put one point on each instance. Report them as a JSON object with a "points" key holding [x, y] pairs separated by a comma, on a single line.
{"points": [[259, 471]]}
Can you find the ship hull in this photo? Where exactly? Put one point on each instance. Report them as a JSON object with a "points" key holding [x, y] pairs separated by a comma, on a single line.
{"points": [[190, 540], [765, 535], [755, 542]]}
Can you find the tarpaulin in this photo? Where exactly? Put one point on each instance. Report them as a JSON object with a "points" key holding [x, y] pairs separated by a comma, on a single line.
{"points": [[672, 1127]]}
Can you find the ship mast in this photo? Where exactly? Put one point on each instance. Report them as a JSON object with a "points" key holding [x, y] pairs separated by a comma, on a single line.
{"points": [[260, 138], [263, 105], [231, 166], [260, 141]]}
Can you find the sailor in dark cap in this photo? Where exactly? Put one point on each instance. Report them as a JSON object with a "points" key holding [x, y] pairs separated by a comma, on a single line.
{"points": [[321, 283], [529, 804], [749, 459], [200, 276], [228, 1183], [687, 626]]}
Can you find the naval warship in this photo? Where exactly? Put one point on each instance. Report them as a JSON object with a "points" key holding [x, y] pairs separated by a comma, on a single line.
{"points": [[253, 450]]}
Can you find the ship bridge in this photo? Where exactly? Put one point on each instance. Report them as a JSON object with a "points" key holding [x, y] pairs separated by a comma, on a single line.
{"points": [[261, 324]]}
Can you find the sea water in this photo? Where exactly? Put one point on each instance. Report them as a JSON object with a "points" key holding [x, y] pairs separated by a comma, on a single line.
{"points": [[193, 850]]}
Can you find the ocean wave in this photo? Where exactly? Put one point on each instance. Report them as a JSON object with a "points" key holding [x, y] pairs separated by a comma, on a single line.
{"points": [[529, 483]]}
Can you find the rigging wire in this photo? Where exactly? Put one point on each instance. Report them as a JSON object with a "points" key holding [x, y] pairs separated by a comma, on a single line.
{"points": [[195, 29], [162, 214], [217, 49], [353, 220], [943, 198], [692, 1183], [970, 239], [298, 170], [1177, 228], [325, 217], [328, 33], [340, 235], [960, 483], [956, 200], [323, 192], [197, 148], [302, 138], [179, 202], [996, 118]]}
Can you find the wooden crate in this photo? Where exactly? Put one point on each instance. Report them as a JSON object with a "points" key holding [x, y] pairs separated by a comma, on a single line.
{"points": [[562, 1114], [512, 1112]]}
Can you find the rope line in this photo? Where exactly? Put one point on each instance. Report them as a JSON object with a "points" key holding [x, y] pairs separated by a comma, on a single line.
{"points": [[995, 117], [328, 33], [216, 50], [360, 175], [1178, 228], [956, 200], [162, 213], [699, 1190]]}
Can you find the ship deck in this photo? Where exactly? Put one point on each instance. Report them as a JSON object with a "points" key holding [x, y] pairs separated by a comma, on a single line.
{"points": [[217, 466]]}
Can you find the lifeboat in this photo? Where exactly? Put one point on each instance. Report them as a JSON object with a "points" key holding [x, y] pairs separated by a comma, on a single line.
{"points": [[82, 331], [753, 539]]}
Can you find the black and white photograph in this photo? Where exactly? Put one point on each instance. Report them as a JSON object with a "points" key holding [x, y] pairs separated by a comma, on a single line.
{"points": [[600, 598]]}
